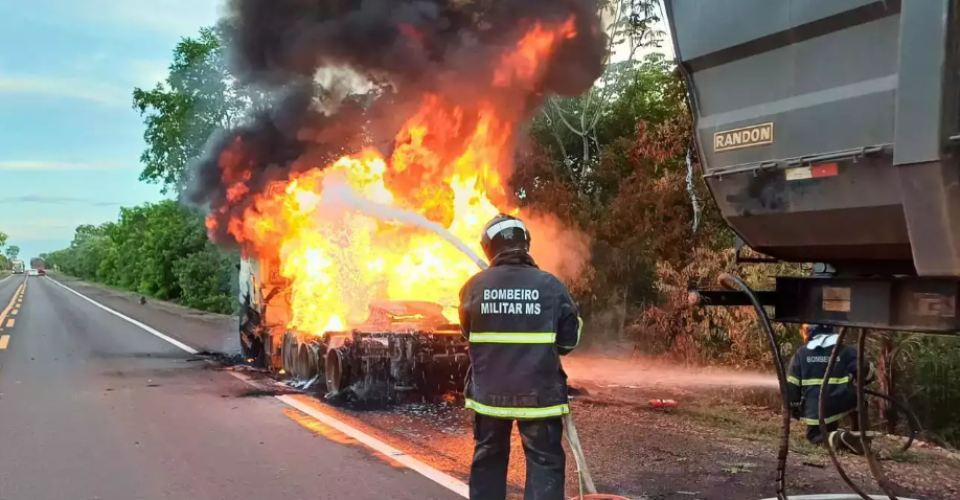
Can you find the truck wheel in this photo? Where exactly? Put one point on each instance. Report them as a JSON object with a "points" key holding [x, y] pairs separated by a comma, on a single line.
{"points": [[336, 372], [307, 362], [251, 344], [288, 352]]}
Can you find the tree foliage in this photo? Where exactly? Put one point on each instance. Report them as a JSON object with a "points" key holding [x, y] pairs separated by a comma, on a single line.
{"points": [[631, 197], [160, 250], [12, 252], [197, 98], [4, 261]]}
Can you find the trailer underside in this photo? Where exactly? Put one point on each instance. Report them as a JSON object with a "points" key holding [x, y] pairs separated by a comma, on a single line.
{"points": [[912, 304]]}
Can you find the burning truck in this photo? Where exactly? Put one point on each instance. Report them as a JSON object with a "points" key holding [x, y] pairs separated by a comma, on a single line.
{"points": [[383, 132], [401, 347]]}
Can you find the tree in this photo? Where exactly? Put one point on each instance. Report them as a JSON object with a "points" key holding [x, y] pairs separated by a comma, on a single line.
{"points": [[197, 98], [573, 122], [12, 252], [3, 239], [156, 249]]}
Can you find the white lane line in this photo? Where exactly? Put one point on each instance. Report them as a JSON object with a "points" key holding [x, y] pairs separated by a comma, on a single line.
{"points": [[148, 329], [441, 478]]}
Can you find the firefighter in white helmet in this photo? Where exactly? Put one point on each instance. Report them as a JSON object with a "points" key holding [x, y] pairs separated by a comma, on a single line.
{"points": [[519, 321], [807, 372]]}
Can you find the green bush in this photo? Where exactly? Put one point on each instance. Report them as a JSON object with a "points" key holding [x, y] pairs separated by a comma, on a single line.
{"points": [[205, 280], [156, 249]]}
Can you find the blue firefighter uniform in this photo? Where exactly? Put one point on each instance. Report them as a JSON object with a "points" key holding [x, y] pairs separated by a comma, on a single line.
{"points": [[807, 371], [519, 321]]}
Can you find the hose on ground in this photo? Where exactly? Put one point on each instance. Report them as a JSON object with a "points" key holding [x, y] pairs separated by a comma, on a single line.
{"points": [[901, 407], [731, 282], [864, 417], [822, 409]]}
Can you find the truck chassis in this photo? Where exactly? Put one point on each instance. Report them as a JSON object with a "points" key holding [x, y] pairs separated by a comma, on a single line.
{"points": [[383, 359]]}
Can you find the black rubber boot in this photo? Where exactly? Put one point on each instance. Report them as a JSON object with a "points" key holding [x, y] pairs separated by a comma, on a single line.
{"points": [[847, 441]]}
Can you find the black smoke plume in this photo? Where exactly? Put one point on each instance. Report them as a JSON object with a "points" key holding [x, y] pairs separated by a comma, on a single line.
{"points": [[409, 47]]}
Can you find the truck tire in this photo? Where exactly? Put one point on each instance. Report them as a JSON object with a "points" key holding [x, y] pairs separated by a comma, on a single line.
{"points": [[288, 353], [251, 342], [308, 367], [337, 371]]}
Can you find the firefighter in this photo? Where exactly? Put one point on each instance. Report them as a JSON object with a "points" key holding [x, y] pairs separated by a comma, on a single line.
{"points": [[807, 370], [519, 320]]}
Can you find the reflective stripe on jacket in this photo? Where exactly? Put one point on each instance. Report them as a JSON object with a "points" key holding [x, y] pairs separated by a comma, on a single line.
{"points": [[519, 321], [807, 371]]}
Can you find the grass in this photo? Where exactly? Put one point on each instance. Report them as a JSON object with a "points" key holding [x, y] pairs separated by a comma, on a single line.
{"points": [[762, 426], [753, 424], [907, 457]]}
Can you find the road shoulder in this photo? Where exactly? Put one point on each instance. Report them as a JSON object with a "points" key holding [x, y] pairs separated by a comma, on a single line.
{"points": [[207, 332]]}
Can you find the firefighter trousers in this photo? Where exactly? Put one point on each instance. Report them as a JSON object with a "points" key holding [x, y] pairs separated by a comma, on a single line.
{"points": [[542, 446]]}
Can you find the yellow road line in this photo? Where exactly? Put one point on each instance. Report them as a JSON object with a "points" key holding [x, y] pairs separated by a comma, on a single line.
{"points": [[14, 312], [11, 322], [4, 341], [3, 315]]}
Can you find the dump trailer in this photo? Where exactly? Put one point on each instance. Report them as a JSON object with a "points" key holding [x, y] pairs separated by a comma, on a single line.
{"points": [[402, 348], [827, 131]]}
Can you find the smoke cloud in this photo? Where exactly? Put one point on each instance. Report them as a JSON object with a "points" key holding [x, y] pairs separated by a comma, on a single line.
{"points": [[558, 249], [345, 75]]}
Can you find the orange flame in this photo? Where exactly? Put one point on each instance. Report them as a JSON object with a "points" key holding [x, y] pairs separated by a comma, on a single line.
{"points": [[448, 165]]}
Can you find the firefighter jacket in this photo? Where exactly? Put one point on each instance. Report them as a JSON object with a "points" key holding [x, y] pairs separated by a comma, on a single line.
{"points": [[519, 320], [807, 371]]}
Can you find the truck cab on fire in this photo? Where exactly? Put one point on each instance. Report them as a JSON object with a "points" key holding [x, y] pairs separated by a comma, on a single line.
{"points": [[402, 346]]}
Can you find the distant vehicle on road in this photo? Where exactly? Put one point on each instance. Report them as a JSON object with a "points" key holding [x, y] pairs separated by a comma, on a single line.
{"points": [[18, 267], [38, 265], [33, 272]]}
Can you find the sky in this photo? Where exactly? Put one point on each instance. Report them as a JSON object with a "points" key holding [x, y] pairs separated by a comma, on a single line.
{"points": [[70, 140]]}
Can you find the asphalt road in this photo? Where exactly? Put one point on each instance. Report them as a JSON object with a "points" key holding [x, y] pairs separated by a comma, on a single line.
{"points": [[94, 407]]}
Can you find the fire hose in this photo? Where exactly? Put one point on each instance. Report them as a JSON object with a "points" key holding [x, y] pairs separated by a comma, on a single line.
{"points": [[733, 283]]}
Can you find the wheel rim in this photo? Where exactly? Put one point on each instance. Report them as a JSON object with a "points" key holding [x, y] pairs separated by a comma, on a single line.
{"points": [[288, 352], [334, 371], [308, 365]]}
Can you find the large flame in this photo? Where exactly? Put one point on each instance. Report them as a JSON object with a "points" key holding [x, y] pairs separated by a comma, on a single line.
{"points": [[446, 165]]}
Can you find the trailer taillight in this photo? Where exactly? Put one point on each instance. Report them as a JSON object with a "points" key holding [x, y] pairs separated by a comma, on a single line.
{"points": [[812, 172]]}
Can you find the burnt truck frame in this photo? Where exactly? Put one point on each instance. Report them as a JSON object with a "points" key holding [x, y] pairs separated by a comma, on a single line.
{"points": [[827, 131], [403, 347]]}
